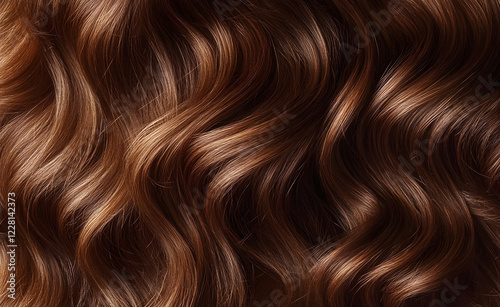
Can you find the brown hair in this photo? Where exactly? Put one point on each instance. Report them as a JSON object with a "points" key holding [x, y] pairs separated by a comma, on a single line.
{"points": [[251, 152]]}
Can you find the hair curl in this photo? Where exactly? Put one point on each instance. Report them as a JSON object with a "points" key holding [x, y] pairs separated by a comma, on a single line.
{"points": [[251, 153]]}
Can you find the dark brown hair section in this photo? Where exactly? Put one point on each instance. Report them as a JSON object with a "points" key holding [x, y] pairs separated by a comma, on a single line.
{"points": [[251, 153]]}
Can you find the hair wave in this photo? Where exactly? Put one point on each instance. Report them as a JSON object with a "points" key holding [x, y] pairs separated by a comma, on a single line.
{"points": [[251, 152]]}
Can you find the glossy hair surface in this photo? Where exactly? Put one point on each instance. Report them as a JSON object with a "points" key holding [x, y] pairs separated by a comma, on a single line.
{"points": [[251, 153]]}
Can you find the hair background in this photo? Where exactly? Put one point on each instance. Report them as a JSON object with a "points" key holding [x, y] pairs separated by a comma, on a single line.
{"points": [[173, 153]]}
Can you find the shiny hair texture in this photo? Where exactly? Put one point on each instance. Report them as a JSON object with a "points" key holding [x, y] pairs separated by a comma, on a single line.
{"points": [[251, 152]]}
